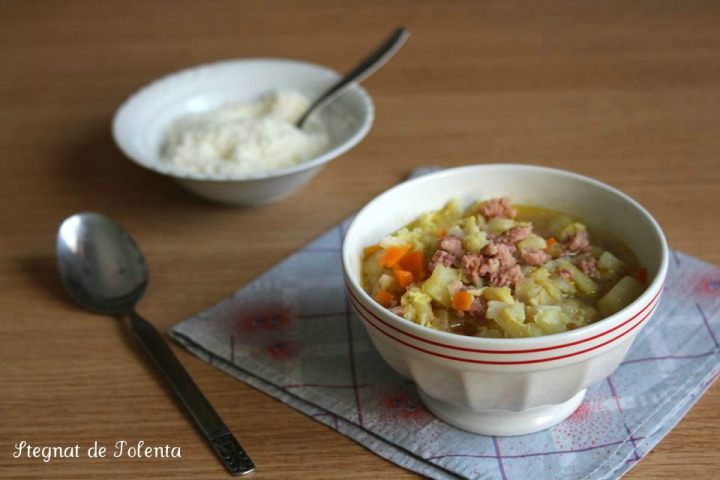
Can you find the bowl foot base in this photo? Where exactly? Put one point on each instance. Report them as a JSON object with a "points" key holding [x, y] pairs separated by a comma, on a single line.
{"points": [[502, 422]]}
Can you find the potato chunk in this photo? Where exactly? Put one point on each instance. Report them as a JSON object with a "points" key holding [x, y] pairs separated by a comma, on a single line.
{"points": [[620, 296], [610, 263]]}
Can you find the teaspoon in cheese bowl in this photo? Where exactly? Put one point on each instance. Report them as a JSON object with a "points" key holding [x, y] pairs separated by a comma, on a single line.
{"points": [[104, 270], [364, 69]]}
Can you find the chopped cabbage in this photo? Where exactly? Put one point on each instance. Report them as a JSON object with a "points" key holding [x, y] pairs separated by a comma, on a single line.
{"points": [[457, 231], [511, 318], [481, 222], [417, 307], [532, 242], [443, 218], [564, 285], [403, 236], [471, 225], [537, 292], [475, 242], [551, 289], [583, 283], [571, 230], [387, 282], [373, 270], [500, 294], [442, 319], [579, 312], [437, 286], [525, 289], [551, 319], [500, 225], [541, 274]]}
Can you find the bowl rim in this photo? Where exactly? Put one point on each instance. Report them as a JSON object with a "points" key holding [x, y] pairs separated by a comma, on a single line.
{"points": [[649, 296], [367, 122]]}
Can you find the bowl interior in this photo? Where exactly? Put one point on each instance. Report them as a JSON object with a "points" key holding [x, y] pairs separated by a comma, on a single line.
{"points": [[593, 201], [141, 123]]}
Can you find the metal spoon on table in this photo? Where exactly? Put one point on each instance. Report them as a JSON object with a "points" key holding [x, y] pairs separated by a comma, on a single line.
{"points": [[364, 69], [104, 270]]}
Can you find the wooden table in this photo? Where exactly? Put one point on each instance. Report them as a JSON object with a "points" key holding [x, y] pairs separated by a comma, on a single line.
{"points": [[627, 92]]}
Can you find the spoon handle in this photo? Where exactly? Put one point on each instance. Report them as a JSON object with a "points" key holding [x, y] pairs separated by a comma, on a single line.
{"points": [[364, 69], [226, 446]]}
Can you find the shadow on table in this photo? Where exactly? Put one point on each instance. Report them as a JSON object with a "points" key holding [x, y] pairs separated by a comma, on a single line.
{"points": [[102, 177], [42, 270]]}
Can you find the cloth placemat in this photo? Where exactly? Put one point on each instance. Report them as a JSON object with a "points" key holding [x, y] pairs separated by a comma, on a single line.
{"points": [[292, 334]]}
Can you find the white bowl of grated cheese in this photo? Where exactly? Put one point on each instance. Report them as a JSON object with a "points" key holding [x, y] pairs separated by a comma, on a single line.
{"points": [[225, 132]]}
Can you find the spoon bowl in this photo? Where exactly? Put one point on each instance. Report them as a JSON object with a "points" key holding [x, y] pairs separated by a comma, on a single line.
{"points": [[100, 264]]}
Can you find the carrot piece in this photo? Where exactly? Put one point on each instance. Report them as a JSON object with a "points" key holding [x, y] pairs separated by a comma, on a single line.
{"points": [[462, 301], [550, 241], [393, 255], [414, 262], [371, 249], [441, 233], [403, 278], [640, 275], [386, 299]]}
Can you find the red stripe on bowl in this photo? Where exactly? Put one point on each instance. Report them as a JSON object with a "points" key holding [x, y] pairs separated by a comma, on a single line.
{"points": [[518, 362], [501, 352]]}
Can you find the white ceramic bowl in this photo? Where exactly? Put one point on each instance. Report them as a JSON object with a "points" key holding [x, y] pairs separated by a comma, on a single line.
{"points": [[141, 122], [505, 386]]}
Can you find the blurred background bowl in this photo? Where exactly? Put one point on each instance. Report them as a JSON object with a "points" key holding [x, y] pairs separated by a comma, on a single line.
{"points": [[141, 123]]}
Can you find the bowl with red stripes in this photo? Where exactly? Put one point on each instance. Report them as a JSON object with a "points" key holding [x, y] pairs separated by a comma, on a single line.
{"points": [[505, 386]]}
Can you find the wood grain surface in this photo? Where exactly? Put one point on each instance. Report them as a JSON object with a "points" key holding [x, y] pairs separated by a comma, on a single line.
{"points": [[626, 92]]}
